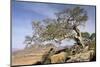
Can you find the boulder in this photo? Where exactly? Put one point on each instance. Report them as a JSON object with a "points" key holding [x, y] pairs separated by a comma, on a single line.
{"points": [[82, 57], [59, 58]]}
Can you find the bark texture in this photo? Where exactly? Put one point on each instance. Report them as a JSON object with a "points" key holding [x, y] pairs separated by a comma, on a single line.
{"points": [[78, 37]]}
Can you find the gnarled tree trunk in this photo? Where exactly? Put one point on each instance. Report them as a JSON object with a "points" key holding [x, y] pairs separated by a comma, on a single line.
{"points": [[78, 37]]}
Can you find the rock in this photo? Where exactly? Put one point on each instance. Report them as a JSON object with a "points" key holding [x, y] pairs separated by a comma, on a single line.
{"points": [[58, 58], [81, 57], [86, 49]]}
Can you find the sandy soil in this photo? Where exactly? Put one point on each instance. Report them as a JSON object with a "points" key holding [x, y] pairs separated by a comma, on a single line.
{"points": [[27, 57]]}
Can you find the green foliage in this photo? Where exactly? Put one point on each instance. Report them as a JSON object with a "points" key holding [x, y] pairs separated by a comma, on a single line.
{"points": [[63, 25], [76, 16], [27, 39], [93, 35], [54, 31], [85, 34], [91, 39], [38, 28]]}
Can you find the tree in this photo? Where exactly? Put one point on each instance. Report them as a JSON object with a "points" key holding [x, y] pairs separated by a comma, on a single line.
{"points": [[27, 41], [66, 24], [92, 36], [85, 35], [86, 38]]}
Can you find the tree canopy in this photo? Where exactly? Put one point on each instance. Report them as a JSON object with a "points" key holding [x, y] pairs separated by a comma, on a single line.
{"points": [[64, 26]]}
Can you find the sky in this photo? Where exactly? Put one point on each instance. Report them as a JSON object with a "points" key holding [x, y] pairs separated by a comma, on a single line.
{"points": [[23, 13]]}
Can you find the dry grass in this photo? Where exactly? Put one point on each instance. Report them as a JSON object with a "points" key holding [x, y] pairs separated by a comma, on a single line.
{"points": [[26, 57]]}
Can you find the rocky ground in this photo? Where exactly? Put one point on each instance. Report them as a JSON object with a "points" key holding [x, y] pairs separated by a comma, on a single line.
{"points": [[32, 56]]}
